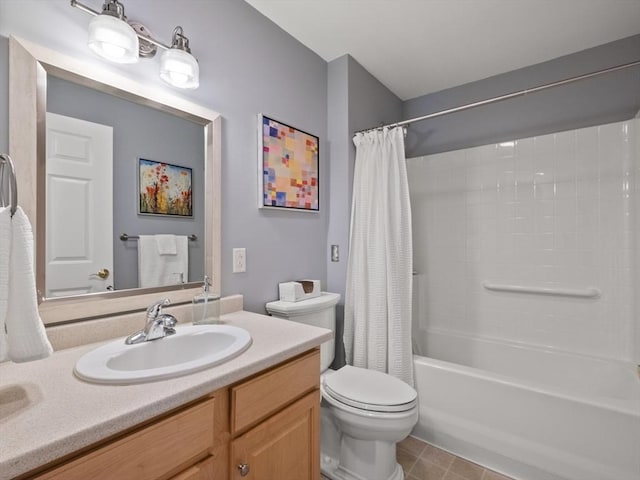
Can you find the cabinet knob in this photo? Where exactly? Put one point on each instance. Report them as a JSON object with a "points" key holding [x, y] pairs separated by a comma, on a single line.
{"points": [[244, 469]]}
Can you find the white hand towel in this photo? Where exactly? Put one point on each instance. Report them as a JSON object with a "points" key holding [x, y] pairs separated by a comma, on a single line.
{"points": [[5, 242], [26, 336], [166, 244], [155, 270]]}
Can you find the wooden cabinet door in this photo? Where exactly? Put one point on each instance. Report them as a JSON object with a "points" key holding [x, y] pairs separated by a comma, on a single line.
{"points": [[284, 447]]}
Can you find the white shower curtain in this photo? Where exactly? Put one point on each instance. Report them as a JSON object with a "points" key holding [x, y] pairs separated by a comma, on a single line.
{"points": [[378, 297]]}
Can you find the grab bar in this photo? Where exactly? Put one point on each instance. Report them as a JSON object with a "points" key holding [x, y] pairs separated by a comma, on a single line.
{"points": [[590, 292], [6, 162], [124, 237]]}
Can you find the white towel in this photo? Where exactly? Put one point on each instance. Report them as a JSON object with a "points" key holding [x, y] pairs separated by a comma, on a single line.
{"points": [[156, 270], [5, 242], [26, 338], [166, 244]]}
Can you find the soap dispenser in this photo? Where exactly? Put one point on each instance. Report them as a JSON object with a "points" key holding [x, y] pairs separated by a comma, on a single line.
{"points": [[206, 306]]}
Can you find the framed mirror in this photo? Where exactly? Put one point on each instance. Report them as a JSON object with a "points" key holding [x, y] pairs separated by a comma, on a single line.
{"points": [[37, 73]]}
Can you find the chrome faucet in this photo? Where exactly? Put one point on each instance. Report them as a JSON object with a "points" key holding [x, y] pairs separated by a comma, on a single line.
{"points": [[158, 324]]}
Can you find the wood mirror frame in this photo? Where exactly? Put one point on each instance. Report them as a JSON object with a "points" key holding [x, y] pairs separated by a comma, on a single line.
{"points": [[29, 65]]}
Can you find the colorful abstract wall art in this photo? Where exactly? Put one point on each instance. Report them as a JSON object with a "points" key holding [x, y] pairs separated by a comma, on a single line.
{"points": [[165, 189], [288, 165]]}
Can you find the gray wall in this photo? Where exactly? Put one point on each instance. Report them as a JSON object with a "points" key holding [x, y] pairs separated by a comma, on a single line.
{"points": [[607, 98], [356, 100], [139, 132], [339, 180], [248, 66]]}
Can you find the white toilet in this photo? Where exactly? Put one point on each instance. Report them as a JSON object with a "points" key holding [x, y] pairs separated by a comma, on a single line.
{"points": [[364, 412]]}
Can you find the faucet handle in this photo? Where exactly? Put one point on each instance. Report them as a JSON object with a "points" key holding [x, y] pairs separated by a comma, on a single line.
{"points": [[156, 308], [169, 321]]}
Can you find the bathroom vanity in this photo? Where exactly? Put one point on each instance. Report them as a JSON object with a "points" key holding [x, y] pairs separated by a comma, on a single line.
{"points": [[256, 416]]}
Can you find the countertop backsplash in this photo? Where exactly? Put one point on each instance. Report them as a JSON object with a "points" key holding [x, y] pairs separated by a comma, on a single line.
{"points": [[99, 329]]}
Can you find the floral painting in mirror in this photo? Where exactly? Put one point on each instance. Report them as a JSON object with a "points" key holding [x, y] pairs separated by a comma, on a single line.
{"points": [[164, 189]]}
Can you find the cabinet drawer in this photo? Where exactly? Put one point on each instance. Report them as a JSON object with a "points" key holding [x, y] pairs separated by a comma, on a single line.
{"points": [[205, 470], [149, 453], [258, 398]]}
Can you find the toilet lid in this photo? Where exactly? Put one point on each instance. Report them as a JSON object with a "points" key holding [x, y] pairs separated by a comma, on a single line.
{"points": [[370, 390]]}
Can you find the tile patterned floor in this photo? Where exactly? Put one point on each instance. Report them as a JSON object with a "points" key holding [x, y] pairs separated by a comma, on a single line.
{"points": [[421, 461]]}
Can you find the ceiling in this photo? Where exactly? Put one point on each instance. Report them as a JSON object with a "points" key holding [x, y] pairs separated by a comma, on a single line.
{"points": [[415, 47]]}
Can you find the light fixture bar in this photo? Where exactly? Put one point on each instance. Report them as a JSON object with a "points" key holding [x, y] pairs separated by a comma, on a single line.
{"points": [[91, 11], [84, 8]]}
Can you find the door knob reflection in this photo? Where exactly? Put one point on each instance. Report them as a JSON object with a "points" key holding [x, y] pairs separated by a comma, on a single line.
{"points": [[102, 273]]}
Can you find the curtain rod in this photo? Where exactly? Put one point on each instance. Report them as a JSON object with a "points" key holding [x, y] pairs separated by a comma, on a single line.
{"points": [[507, 96]]}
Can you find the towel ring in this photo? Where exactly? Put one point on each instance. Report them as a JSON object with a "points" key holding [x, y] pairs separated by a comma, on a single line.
{"points": [[7, 163]]}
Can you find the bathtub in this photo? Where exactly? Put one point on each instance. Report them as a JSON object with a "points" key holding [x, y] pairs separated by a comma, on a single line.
{"points": [[530, 413]]}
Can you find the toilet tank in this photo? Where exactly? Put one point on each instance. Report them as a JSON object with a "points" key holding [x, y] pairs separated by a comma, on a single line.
{"points": [[318, 312]]}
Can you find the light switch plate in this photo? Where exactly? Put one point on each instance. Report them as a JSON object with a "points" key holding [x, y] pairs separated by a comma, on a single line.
{"points": [[335, 253]]}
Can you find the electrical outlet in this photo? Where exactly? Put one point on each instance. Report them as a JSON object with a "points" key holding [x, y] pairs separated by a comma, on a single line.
{"points": [[239, 260]]}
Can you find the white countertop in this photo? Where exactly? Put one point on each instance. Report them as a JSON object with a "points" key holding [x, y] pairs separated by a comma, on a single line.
{"points": [[46, 412]]}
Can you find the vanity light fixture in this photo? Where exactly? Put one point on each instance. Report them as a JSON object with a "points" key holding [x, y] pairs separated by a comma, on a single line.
{"points": [[177, 66], [112, 37]]}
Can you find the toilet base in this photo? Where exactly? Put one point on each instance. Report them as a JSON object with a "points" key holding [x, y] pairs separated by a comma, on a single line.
{"points": [[345, 457], [330, 468]]}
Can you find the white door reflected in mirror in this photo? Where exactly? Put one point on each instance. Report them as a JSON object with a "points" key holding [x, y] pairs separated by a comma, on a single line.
{"points": [[79, 206]]}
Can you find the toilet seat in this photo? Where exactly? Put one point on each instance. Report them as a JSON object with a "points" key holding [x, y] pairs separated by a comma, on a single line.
{"points": [[369, 390]]}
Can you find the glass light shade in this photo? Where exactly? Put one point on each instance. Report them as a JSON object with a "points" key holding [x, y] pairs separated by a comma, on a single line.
{"points": [[113, 39], [179, 68]]}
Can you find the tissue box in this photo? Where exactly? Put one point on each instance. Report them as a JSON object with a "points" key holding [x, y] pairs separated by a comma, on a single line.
{"points": [[299, 290]]}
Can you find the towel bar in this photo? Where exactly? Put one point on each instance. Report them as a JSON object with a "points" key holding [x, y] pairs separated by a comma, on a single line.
{"points": [[561, 292], [124, 237]]}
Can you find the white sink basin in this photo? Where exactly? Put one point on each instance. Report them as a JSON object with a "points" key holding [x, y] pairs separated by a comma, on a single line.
{"points": [[191, 348]]}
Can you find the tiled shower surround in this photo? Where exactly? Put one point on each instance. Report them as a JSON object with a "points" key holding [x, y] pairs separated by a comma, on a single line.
{"points": [[554, 211]]}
